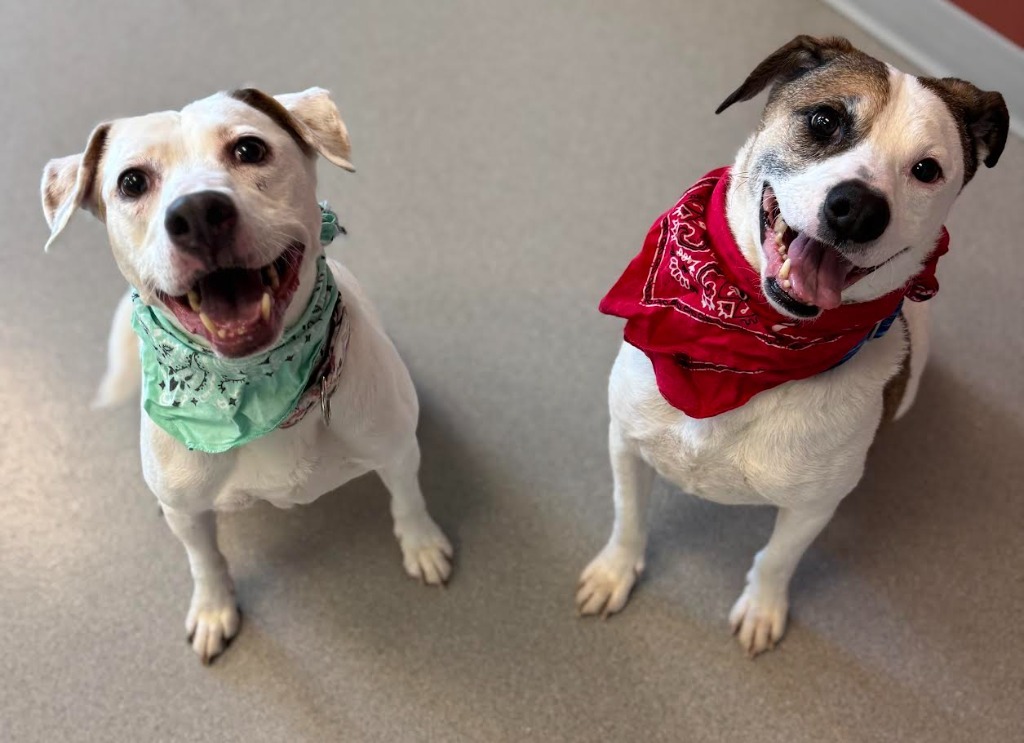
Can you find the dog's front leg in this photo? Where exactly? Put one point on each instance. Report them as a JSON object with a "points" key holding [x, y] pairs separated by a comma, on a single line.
{"points": [[213, 617], [759, 616], [426, 551], [606, 582]]}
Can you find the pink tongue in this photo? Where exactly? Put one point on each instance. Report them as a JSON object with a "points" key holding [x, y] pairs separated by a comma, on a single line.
{"points": [[818, 273], [232, 296]]}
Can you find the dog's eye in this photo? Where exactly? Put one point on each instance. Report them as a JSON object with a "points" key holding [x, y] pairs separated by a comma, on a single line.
{"points": [[823, 122], [250, 150], [927, 171], [133, 183]]}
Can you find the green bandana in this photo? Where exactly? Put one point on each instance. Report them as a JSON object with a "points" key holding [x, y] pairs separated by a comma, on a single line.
{"points": [[214, 404]]}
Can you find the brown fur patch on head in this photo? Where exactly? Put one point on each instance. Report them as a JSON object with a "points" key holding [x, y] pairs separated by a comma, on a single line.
{"points": [[981, 117], [853, 77], [789, 62], [808, 73], [310, 117], [277, 112]]}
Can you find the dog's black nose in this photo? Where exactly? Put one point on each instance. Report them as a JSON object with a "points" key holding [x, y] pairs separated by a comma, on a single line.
{"points": [[202, 223], [856, 212]]}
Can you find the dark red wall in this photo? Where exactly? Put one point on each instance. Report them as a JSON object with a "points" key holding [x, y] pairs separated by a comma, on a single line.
{"points": [[1005, 16]]}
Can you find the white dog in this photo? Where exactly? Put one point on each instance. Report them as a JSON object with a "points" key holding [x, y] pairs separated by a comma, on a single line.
{"points": [[249, 336], [756, 367]]}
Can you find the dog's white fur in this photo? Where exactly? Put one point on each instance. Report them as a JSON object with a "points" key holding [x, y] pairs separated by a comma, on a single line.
{"points": [[375, 408], [801, 446]]}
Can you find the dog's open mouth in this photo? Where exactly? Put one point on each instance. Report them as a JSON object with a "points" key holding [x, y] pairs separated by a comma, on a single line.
{"points": [[803, 275], [239, 311]]}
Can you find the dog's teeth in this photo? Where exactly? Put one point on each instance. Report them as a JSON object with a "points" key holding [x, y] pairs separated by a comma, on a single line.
{"points": [[265, 306], [222, 333], [786, 266], [787, 284], [275, 280], [208, 323], [193, 300]]}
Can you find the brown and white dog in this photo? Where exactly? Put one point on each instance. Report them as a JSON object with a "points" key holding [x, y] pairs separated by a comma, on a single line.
{"points": [[212, 216], [861, 163]]}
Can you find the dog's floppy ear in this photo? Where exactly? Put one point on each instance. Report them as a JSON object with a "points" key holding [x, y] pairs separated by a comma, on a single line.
{"points": [[69, 183], [315, 109], [310, 117], [981, 115], [802, 54]]}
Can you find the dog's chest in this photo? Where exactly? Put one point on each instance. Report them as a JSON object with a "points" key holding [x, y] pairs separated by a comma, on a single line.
{"points": [[289, 467], [799, 442], [704, 457]]}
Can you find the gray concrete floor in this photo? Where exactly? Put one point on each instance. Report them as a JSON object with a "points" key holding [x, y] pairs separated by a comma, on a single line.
{"points": [[511, 157]]}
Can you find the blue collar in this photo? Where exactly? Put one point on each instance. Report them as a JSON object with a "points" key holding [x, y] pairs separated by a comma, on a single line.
{"points": [[878, 331]]}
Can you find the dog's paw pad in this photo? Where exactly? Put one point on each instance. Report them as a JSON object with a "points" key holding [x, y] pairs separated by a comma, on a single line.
{"points": [[606, 582], [426, 551], [211, 627], [758, 622]]}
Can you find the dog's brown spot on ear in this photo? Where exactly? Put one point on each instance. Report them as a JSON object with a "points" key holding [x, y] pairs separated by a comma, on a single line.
{"points": [[55, 187], [981, 117], [91, 160], [52, 191], [58, 186], [801, 55], [70, 183], [278, 113]]}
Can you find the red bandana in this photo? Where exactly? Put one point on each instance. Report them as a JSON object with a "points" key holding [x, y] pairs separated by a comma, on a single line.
{"points": [[695, 306]]}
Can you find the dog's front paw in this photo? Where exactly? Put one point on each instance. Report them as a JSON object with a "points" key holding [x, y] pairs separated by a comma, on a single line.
{"points": [[606, 582], [758, 620], [426, 551], [213, 620]]}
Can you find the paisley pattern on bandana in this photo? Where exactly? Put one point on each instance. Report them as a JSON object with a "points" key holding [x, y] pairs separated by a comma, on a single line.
{"points": [[694, 305]]}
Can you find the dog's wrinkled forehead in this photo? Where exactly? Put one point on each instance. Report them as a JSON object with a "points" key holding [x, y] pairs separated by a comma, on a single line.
{"points": [[196, 135]]}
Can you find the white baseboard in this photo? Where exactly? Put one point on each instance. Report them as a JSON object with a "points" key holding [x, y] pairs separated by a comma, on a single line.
{"points": [[945, 41]]}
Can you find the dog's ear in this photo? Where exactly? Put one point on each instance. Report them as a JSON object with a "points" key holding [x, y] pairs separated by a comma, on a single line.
{"points": [[801, 55], [981, 115], [310, 117], [69, 183], [317, 112]]}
